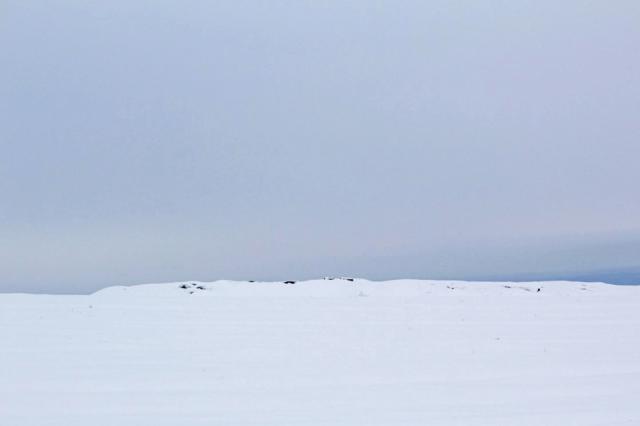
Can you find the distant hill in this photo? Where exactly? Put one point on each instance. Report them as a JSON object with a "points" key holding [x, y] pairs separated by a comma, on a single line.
{"points": [[620, 276]]}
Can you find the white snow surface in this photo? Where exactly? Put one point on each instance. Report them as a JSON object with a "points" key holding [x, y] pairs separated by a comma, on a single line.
{"points": [[323, 352]]}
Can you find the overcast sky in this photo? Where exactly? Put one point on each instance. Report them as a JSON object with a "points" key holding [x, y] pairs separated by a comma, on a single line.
{"points": [[149, 141]]}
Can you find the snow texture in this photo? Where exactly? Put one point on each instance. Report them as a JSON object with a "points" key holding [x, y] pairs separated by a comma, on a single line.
{"points": [[324, 352]]}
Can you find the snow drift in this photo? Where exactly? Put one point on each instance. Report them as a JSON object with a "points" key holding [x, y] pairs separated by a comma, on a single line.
{"points": [[326, 352]]}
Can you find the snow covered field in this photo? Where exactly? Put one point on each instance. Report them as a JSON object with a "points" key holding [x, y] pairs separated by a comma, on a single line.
{"points": [[323, 353]]}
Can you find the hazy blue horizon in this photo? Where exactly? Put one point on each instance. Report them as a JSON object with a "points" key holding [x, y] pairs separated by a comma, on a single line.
{"points": [[163, 141], [579, 261]]}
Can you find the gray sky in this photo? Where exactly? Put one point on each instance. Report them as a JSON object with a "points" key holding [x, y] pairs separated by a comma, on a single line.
{"points": [[146, 141]]}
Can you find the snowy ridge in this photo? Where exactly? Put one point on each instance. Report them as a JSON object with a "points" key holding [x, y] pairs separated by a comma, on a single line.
{"points": [[323, 352], [327, 286]]}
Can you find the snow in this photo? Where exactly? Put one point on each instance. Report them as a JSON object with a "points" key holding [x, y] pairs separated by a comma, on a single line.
{"points": [[324, 352]]}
